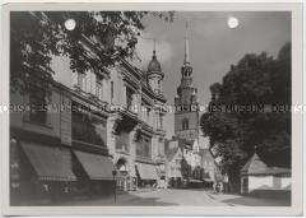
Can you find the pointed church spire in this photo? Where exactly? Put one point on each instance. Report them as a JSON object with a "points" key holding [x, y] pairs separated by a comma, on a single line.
{"points": [[186, 58]]}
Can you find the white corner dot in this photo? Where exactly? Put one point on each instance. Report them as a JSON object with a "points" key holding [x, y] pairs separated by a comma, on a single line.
{"points": [[232, 22], [70, 24]]}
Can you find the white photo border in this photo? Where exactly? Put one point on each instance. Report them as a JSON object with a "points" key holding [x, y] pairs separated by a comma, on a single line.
{"points": [[297, 131]]}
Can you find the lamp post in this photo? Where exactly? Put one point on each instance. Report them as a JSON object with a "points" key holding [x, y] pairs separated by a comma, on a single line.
{"points": [[115, 184]]}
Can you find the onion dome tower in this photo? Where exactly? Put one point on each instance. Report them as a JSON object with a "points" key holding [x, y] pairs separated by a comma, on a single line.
{"points": [[155, 74]]}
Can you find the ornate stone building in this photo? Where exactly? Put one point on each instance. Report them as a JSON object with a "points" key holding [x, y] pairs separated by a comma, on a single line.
{"points": [[135, 128], [92, 128]]}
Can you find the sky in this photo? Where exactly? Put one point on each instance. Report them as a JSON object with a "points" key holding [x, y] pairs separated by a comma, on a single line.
{"points": [[214, 46]]}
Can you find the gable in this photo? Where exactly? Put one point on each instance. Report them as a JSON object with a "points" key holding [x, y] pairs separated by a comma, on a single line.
{"points": [[254, 166]]}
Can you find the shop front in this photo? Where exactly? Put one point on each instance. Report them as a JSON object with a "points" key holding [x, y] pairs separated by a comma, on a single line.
{"points": [[95, 174], [40, 173], [126, 179]]}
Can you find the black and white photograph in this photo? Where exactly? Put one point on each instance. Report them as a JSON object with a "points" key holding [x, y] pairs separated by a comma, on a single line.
{"points": [[152, 108]]}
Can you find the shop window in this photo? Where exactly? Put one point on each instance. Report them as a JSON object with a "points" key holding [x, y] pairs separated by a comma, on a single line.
{"points": [[87, 127]]}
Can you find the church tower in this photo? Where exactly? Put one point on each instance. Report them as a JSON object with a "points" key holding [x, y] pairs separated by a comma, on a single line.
{"points": [[186, 102]]}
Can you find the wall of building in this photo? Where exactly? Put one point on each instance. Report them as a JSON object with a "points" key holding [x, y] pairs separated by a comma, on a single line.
{"points": [[191, 116], [269, 183], [65, 120], [57, 122]]}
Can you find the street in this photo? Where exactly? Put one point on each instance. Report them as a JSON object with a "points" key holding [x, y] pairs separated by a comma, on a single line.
{"points": [[176, 197]]}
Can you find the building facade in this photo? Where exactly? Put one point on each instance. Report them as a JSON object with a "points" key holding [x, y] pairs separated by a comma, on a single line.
{"points": [[81, 132], [135, 129], [259, 179], [174, 163]]}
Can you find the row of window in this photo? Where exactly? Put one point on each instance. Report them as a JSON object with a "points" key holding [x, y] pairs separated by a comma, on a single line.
{"points": [[81, 81], [88, 128], [129, 96]]}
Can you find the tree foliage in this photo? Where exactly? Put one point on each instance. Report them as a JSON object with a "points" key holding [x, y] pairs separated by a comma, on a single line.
{"points": [[256, 79], [36, 36]]}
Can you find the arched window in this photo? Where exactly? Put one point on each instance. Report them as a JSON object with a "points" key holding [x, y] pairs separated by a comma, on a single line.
{"points": [[185, 124]]}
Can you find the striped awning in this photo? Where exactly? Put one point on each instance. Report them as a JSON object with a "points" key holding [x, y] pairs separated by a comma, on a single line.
{"points": [[147, 171], [50, 163], [97, 167]]}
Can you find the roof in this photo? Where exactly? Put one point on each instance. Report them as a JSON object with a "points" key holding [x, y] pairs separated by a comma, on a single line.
{"points": [[184, 143], [206, 154], [154, 66], [255, 166], [172, 152]]}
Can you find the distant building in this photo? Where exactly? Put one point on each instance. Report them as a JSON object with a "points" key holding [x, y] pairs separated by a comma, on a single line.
{"points": [[174, 163], [256, 176], [208, 166], [187, 120]]}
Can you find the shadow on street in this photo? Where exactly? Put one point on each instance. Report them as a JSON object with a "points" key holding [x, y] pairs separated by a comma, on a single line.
{"points": [[123, 199], [261, 202]]}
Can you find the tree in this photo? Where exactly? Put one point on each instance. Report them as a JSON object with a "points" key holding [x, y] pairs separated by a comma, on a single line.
{"points": [[255, 80], [36, 36]]}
